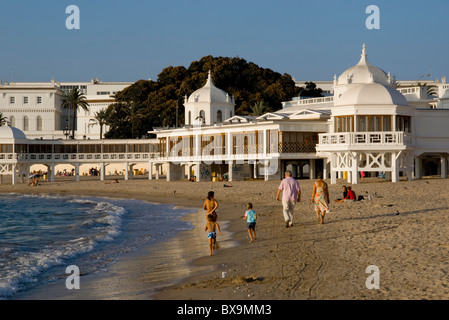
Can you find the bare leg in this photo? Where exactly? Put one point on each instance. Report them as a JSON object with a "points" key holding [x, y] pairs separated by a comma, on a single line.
{"points": [[250, 236], [322, 216], [211, 246]]}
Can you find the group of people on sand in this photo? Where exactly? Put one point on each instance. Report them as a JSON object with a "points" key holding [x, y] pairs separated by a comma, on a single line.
{"points": [[291, 194], [211, 205]]}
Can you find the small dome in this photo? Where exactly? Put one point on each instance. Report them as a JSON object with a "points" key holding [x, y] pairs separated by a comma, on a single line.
{"points": [[7, 132], [364, 72], [209, 93], [372, 94]]}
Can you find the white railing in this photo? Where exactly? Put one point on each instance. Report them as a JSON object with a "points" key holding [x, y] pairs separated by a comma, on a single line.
{"points": [[366, 138], [37, 158]]}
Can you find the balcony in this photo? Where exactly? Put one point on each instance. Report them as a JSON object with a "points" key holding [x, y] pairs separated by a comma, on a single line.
{"points": [[365, 140]]}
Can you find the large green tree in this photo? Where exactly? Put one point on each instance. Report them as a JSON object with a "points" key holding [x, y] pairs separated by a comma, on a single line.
{"points": [[156, 102]]}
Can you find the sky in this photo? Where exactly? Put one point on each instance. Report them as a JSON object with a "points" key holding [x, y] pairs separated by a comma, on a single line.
{"points": [[137, 39]]}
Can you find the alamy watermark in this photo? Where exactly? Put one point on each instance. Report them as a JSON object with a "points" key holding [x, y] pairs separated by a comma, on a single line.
{"points": [[73, 20], [373, 280], [73, 280], [373, 20]]}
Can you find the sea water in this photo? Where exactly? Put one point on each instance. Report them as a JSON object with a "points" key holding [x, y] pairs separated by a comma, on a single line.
{"points": [[39, 234]]}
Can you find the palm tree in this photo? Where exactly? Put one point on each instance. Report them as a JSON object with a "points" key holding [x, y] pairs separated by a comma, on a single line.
{"points": [[75, 99], [100, 118], [260, 108], [133, 114], [3, 120]]}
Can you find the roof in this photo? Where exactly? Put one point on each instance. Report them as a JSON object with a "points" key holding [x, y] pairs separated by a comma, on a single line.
{"points": [[372, 94], [364, 72], [7, 132], [209, 93]]}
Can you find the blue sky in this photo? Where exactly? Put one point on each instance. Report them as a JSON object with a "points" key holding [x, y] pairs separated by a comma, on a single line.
{"points": [[136, 39]]}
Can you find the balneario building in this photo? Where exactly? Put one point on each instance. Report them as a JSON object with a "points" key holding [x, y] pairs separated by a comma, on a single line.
{"points": [[370, 124]]}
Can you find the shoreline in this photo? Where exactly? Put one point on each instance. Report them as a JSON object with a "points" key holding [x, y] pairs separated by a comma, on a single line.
{"points": [[308, 261], [121, 269]]}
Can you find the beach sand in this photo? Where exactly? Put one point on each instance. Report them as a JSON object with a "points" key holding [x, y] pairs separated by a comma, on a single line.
{"points": [[306, 261]]}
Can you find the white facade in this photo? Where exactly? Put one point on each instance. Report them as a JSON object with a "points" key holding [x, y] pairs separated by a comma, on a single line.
{"points": [[35, 107]]}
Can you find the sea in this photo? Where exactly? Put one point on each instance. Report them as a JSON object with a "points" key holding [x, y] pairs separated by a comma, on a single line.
{"points": [[40, 234]]}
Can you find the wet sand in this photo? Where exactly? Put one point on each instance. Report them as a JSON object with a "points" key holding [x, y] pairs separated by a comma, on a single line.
{"points": [[307, 261]]}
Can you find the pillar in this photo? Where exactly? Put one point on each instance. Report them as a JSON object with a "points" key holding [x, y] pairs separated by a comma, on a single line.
{"points": [[312, 169], [102, 170], [127, 171], [333, 177], [418, 164], [443, 166], [355, 169], [174, 172], [77, 172], [236, 172], [150, 171], [14, 174], [395, 169]]}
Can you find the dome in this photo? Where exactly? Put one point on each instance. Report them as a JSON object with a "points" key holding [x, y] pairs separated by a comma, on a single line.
{"points": [[7, 132], [372, 94], [364, 72], [209, 93]]}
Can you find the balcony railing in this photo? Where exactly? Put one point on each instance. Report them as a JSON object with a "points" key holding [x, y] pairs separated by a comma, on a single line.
{"points": [[367, 139]]}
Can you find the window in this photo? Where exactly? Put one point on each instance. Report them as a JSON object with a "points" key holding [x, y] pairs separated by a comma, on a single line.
{"points": [[26, 124], [39, 123], [25, 100], [189, 118], [39, 100], [202, 116], [403, 123], [219, 116], [344, 124], [374, 123], [12, 121], [12, 100]]}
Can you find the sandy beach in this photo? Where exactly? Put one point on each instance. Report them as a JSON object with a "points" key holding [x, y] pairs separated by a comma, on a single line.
{"points": [[402, 230]]}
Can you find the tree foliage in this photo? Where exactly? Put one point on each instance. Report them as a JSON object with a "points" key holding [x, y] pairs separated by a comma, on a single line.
{"points": [[156, 101]]}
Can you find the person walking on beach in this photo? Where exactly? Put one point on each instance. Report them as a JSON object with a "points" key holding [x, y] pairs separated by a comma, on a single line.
{"points": [[320, 199], [211, 227], [210, 205], [251, 217], [291, 193]]}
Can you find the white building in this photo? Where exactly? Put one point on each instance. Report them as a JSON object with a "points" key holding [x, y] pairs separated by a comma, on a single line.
{"points": [[35, 107], [369, 124]]}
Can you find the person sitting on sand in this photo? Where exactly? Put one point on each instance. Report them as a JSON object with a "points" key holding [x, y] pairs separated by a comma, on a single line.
{"points": [[210, 205], [212, 234], [350, 197], [345, 193], [251, 217], [34, 183]]}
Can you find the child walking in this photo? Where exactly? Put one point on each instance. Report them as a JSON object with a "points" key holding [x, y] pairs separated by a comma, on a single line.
{"points": [[211, 225], [251, 217]]}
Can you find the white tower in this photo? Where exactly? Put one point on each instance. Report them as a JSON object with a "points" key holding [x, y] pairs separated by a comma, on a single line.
{"points": [[208, 105]]}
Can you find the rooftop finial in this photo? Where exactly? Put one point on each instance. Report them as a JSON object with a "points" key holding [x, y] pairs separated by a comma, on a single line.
{"points": [[364, 50]]}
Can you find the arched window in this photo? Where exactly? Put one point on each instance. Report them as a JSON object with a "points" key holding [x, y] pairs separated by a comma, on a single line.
{"points": [[39, 123], [203, 116], [189, 119], [12, 121], [219, 116], [26, 124]]}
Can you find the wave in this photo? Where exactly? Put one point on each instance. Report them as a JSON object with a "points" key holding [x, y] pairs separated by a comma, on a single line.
{"points": [[21, 264]]}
